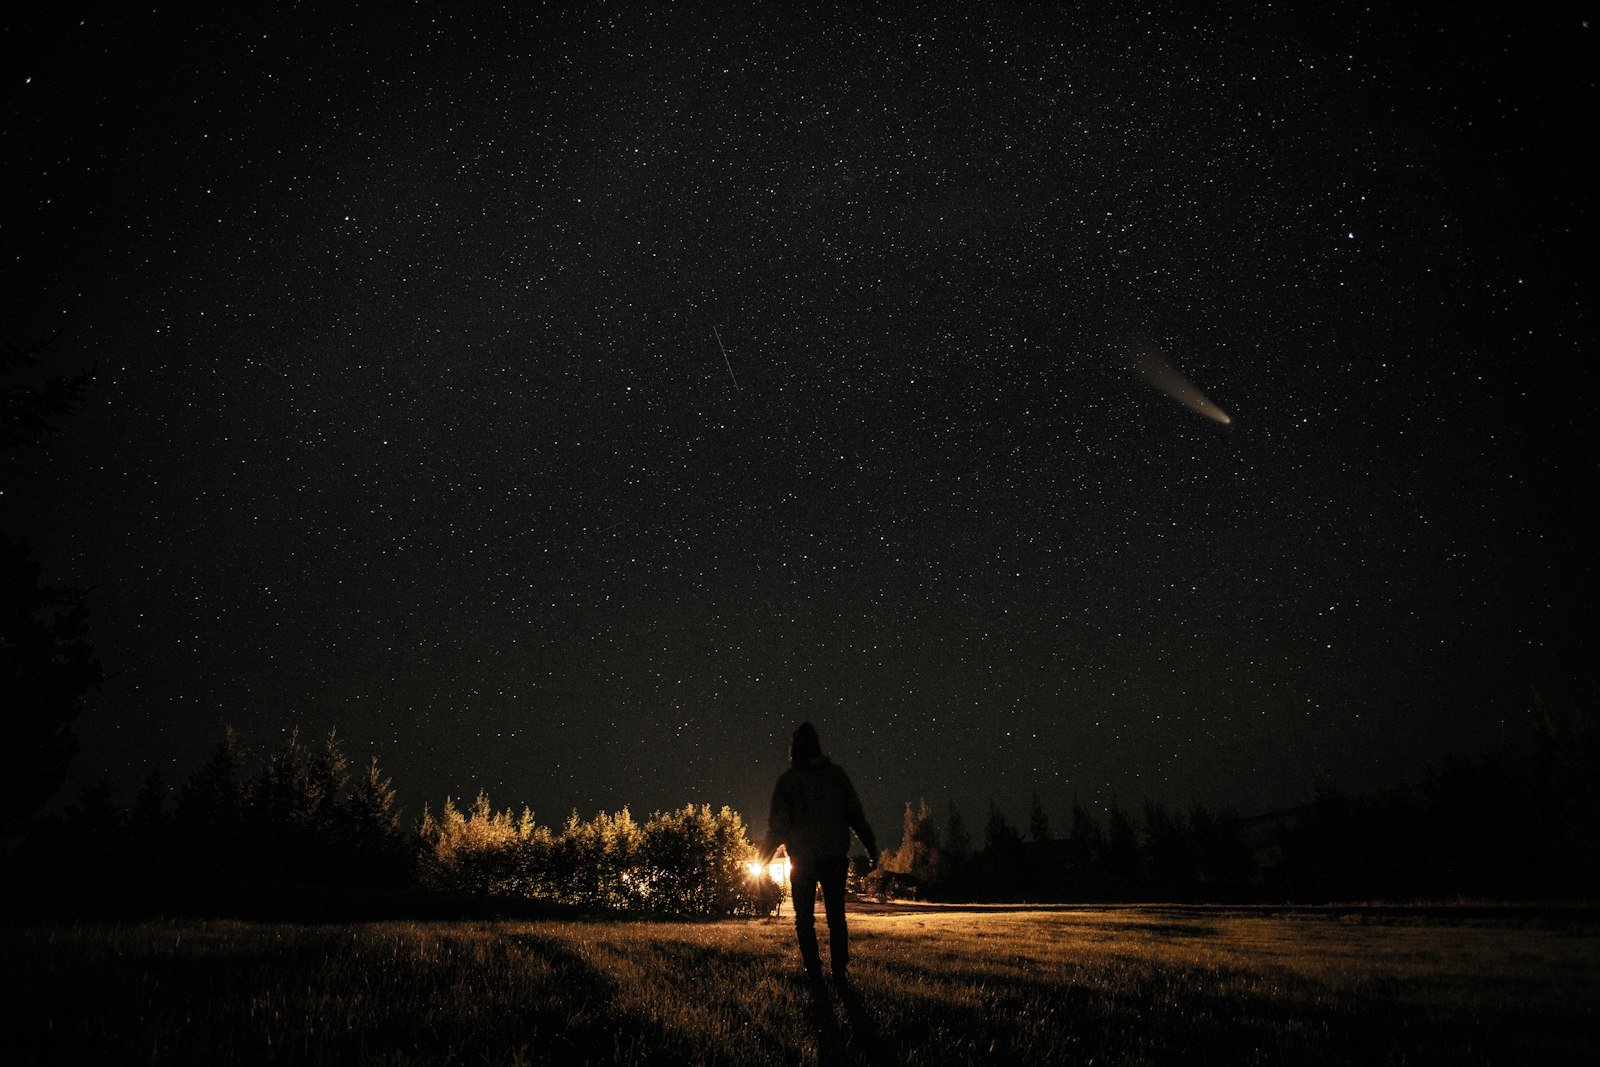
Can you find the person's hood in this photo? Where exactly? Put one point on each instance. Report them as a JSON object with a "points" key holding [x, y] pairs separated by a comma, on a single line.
{"points": [[804, 743]]}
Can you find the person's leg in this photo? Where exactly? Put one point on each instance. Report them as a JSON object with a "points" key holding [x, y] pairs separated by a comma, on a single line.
{"points": [[832, 877], [803, 885]]}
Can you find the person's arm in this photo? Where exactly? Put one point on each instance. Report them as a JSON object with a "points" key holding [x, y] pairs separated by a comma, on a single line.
{"points": [[780, 818], [858, 823]]}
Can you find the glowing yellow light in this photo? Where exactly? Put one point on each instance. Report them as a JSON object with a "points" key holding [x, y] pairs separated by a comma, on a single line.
{"points": [[777, 870]]}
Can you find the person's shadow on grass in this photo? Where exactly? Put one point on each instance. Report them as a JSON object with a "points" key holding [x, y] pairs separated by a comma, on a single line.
{"points": [[862, 1032], [824, 1024], [858, 1040]]}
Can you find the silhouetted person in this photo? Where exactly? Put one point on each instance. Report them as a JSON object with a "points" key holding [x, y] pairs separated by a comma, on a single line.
{"points": [[814, 808]]}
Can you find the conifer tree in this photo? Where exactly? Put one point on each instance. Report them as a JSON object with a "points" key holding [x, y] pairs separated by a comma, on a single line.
{"points": [[957, 838], [149, 826], [999, 836], [327, 779], [47, 669], [376, 849], [371, 805], [1038, 821], [47, 666], [1122, 846], [1168, 850], [1087, 842], [211, 809], [281, 795], [920, 854]]}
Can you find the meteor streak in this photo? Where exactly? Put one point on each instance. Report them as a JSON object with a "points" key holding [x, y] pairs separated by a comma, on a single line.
{"points": [[1170, 380], [725, 362]]}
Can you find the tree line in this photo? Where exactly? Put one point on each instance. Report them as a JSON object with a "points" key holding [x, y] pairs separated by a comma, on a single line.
{"points": [[308, 816], [692, 861], [1157, 853], [1520, 822]]}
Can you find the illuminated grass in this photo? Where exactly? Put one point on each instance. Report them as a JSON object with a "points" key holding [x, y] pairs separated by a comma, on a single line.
{"points": [[1125, 985]]}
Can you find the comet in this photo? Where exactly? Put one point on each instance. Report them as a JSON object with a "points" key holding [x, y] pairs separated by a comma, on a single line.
{"points": [[1170, 380]]}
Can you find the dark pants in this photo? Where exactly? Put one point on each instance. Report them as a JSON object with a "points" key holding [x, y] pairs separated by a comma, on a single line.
{"points": [[804, 877]]}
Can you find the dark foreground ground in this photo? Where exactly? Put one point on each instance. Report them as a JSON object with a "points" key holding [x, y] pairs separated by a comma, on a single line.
{"points": [[1130, 985]]}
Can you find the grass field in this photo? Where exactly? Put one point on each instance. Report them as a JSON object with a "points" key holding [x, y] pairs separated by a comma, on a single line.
{"points": [[1135, 985]]}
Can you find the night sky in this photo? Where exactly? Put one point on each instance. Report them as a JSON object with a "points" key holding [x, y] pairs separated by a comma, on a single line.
{"points": [[568, 404]]}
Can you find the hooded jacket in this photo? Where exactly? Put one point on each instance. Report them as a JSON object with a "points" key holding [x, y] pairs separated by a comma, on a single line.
{"points": [[814, 808]]}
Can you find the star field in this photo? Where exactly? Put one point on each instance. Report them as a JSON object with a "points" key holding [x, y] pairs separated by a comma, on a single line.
{"points": [[568, 404]]}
